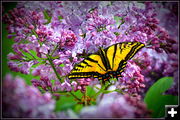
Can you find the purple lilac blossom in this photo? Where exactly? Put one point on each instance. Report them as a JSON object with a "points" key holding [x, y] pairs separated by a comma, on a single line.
{"points": [[75, 27], [44, 41], [132, 81], [168, 14]]}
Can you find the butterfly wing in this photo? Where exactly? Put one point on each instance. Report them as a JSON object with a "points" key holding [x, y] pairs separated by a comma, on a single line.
{"points": [[107, 61], [119, 54], [92, 66]]}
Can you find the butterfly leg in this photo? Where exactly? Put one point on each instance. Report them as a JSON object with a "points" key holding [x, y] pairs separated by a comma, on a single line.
{"points": [[103, 82]]}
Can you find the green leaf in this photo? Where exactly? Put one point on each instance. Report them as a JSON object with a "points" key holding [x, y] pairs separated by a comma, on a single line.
{"points": [[116, 33], [67, 101], [64, 103], [47, 17], [53, 82], [119, 21], [67, 106], [90, 91], [30, 54], [159, 87], [61, 65], [117, 18], [155, 99], [60, 18], [164, 100], [78, 107]]}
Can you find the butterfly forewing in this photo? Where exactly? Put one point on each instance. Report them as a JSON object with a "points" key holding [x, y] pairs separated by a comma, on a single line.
{"points": [[118, 54], [135, 47], [92, 66]]}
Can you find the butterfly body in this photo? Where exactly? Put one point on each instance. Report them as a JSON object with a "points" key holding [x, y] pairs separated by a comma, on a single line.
{"points": [[106, 63]]}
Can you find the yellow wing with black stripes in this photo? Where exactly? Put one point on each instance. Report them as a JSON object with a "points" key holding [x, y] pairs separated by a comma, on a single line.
{"points": [[106, 63], [89, 67]]}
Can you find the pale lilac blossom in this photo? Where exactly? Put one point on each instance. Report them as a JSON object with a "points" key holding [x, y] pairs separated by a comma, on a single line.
{"points": [[114, 105], [28, 101]]}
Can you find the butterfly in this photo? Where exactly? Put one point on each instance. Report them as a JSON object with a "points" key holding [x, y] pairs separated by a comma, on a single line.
{"points": [[106, 63]]}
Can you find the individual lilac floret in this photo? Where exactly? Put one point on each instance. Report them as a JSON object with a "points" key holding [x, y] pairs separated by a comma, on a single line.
{"points": [[66, 86], [20, 100], [114, 105]]}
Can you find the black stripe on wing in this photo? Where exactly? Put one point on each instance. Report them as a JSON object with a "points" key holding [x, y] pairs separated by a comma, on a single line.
{"points": [[115, 49], [92, 60], [104, 59], [122, 65], [80, 66], [114, 53], [86, 63], [133, 51], [83, 75]]}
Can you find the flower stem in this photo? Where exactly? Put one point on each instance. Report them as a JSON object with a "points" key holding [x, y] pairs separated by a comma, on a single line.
{"points": [[75, 96], [102, 88], [106, 87], [54, 50], [85, 96], [31, 55], [36, 37], [52, 65]]}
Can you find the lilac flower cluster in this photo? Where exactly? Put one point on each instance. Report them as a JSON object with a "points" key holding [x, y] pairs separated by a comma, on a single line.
{"points": [[168, 14], [162, 61], [20, 100], [133, 80], [114, 105], [37, 43]]}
